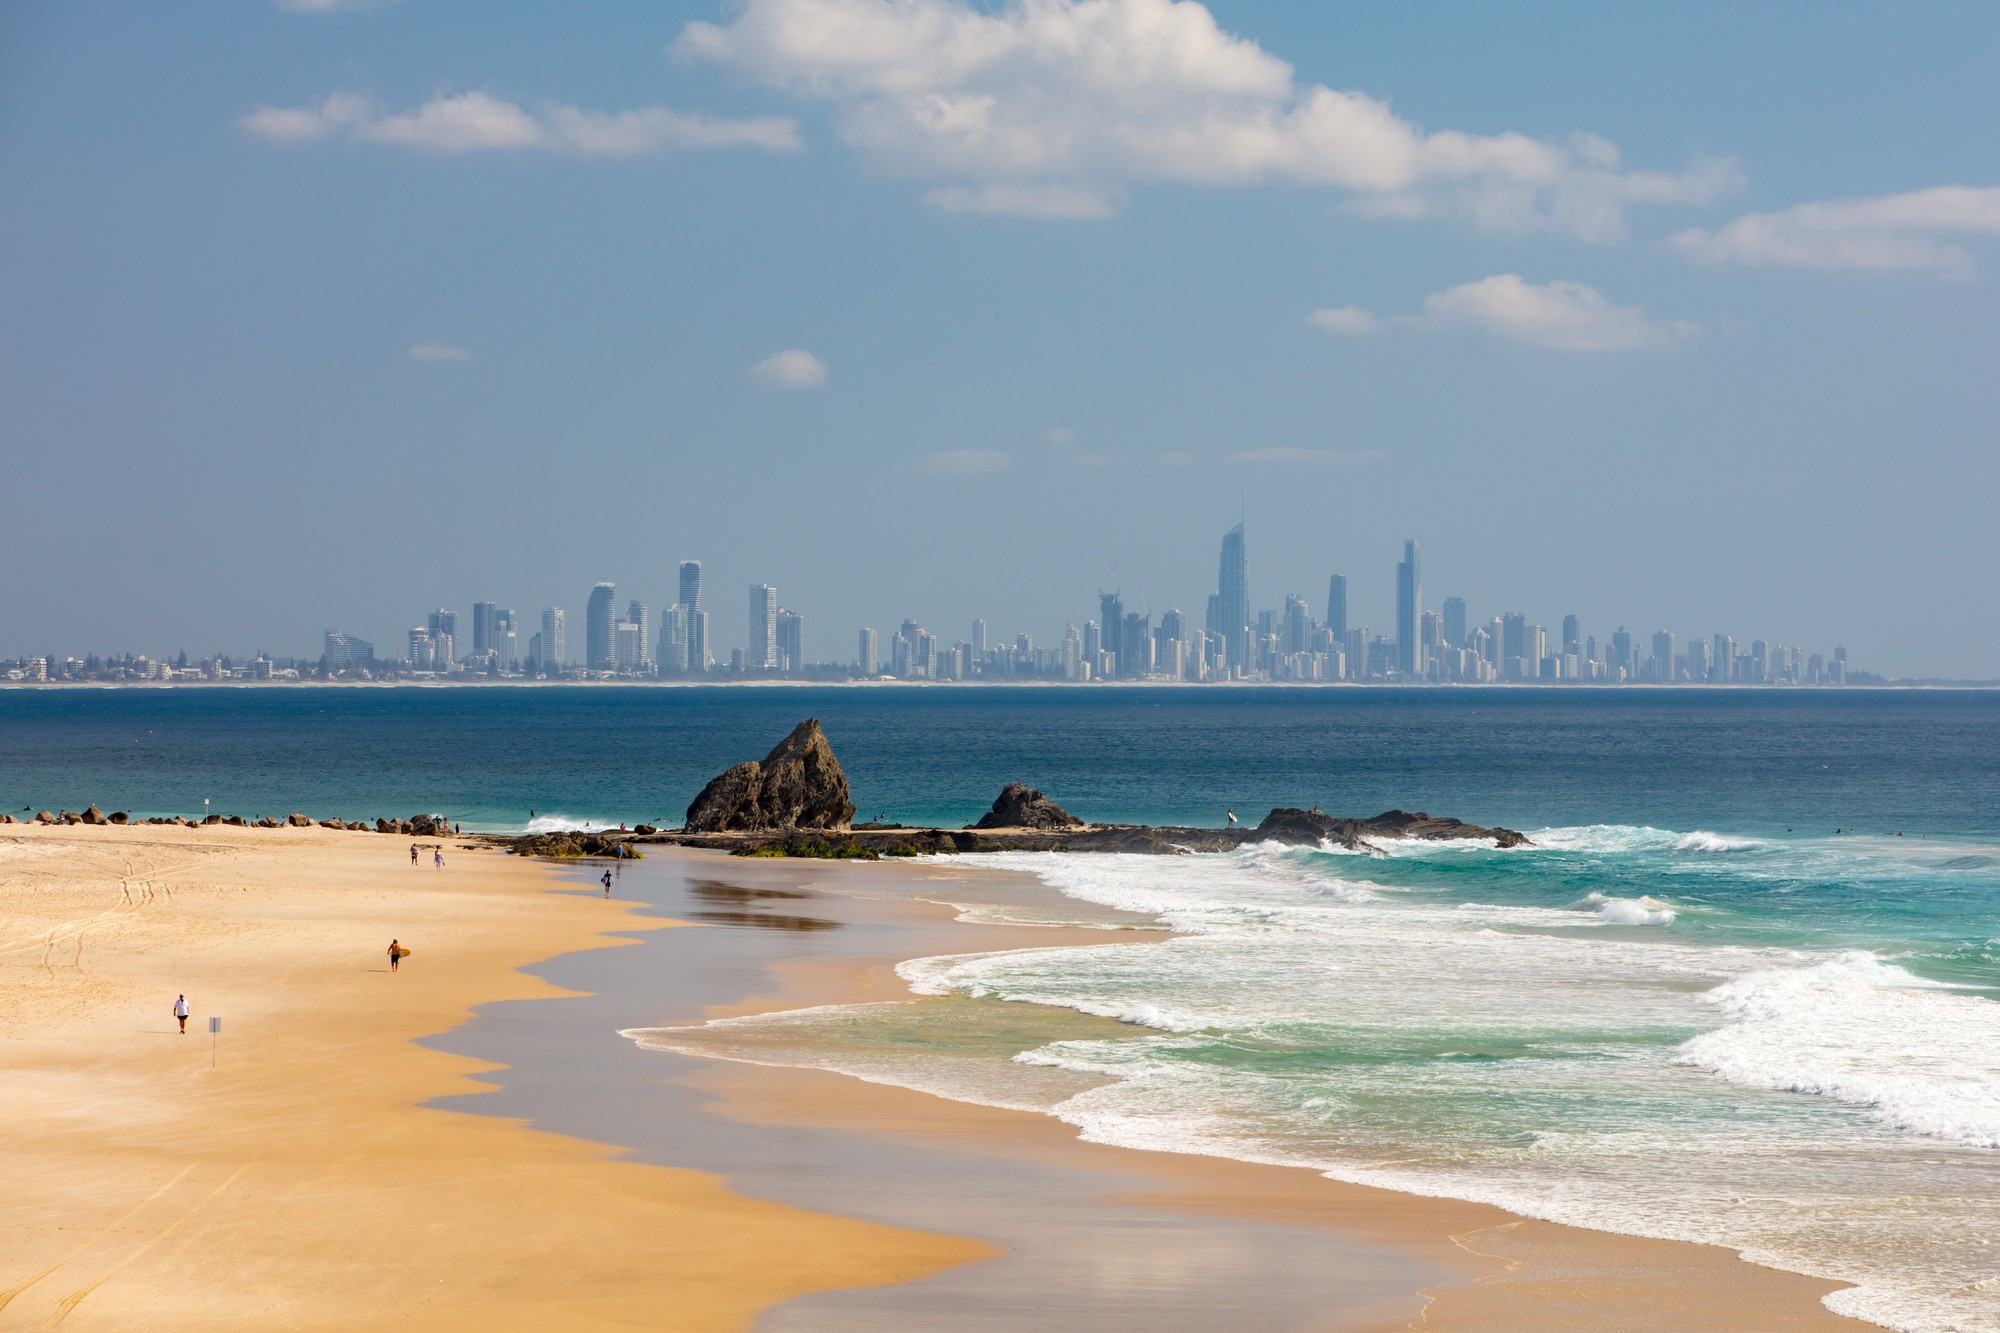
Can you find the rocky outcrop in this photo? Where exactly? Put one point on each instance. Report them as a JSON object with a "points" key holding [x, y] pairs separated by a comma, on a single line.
{"points": [[46, 817], [798, 785], [1295, 827], [1020, 806], [118, 817], [297, 820], [93, 816]]}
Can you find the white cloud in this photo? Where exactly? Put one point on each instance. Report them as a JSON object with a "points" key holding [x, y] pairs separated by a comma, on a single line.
{"points": [[793, 368], [1565, 316], [464, 122], [964, 462], [1894, 232], [1049, 108], [1348, 320], [438, 352]]}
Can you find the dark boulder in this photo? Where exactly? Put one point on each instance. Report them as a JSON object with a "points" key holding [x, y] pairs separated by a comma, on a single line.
{"points": [[297, 820], [1295, 827], [1433, 828], [118, 817], [46, 817], [93, 816], [1020, 806], [798, 785]]}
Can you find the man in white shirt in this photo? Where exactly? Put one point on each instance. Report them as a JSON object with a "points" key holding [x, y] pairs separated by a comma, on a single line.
{"points": [[181, 1012]]}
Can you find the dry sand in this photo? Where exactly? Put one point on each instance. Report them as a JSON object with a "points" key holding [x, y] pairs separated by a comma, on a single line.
{"points": [[299, 1183]]}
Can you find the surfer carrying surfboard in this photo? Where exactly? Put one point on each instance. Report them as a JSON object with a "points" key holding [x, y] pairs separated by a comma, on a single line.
{"points": [[396, 953]]}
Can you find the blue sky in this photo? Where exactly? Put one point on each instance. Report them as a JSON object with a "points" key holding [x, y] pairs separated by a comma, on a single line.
{"points": [[320, 316]]}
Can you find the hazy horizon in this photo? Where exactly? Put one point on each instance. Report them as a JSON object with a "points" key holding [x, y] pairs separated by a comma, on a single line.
{"points": [[320, 315]]}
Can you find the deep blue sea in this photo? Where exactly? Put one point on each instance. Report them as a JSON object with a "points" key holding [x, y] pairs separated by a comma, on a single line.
{"points": [[1741, 989]]}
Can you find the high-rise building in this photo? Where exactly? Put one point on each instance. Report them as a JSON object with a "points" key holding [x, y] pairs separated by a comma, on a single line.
{"points": [[979, 640], [442, 621], [600, 634], [1111, 615], [344, 652], [1513, 639], [870, 663], [760, 651], [1232, 600], [1297, 625], [691, 586], [482, 627], [503, 645], [1572, 636], [555, 645], [1663, 655], [625, 645], [1336, 607], [674, 639], [700, 656], [1135, 646], [1409, 611], [635, 612], [791, 641], [1454, 622]]}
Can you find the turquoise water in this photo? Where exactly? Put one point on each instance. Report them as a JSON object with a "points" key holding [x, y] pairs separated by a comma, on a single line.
{"points": [[1741, 989]]}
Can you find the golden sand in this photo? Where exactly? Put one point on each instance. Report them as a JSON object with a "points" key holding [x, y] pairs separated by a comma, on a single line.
{"points": [[299, 1183]]}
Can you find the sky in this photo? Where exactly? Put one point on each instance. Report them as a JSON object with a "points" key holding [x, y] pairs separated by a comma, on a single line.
{"points": [[320, 315]]}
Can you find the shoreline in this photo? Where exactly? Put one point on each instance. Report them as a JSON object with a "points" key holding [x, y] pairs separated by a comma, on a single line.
{"points": [[306, 1180], [1489, 1268]]}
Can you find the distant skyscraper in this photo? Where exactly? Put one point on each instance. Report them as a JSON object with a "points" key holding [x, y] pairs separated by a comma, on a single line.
{"points": [[555, 645], [691, 586], [791, 640], [503, 644], [1572, 636], [346, 651], [635, 612], [1409, 611], [1111, 616], [1336, 607], [1135, 645], [600, 633], [979, 640], [625, 645], [1295, 631], [1513, 640], [1454, 622], [761, 652], [870, 662], [700, 655], [482, 627], [1232, 600], [674, 639]]}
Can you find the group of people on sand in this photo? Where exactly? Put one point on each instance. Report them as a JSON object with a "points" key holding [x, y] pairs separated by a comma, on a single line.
{"points": [[437, 854]]}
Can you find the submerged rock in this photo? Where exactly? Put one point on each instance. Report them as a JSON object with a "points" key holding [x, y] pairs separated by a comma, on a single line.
{"points": [[799, 785], [1021, 806]]}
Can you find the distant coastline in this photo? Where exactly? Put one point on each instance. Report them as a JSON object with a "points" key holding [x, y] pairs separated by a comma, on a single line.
{"points": [[726, 682]]}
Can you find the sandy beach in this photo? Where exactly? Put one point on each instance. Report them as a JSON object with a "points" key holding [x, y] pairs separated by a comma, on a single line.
{"points": [[332, 1171]]}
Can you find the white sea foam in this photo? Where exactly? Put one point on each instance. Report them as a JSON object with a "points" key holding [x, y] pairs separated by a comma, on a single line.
{"points": [[1913, 1054], [1643, 911], [1701, 840], [566, 824]]}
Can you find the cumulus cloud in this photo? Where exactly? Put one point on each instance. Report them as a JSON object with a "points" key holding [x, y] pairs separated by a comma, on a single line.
{"points": [[793, 368], [466, 122], [964, 462], [1564, 316], [1894, 232], [438, 352], [1050, 108]]}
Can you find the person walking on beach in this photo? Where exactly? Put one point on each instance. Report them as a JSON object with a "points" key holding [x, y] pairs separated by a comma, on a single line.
{"points": [[607, 883], [413, 853], [395, 955], [181, 1012], [437, 855]]}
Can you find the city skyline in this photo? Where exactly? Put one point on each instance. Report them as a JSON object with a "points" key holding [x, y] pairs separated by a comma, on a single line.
{"points": [[392, 301], [1236, 641]]}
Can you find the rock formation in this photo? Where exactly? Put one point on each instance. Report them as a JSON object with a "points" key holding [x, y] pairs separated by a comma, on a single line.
{"points": [[93, 816], [798, 785], [1020, 806]]}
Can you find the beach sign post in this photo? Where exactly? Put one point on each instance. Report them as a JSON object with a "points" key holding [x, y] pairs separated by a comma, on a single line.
{"points": [[214, 1027]]}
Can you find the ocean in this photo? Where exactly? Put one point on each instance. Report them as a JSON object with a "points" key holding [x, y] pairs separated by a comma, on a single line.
{"points": [[1741, 989]]}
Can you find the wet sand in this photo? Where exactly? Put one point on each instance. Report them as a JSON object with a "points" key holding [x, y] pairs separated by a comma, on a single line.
{"points": [[1087, 1236]]}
